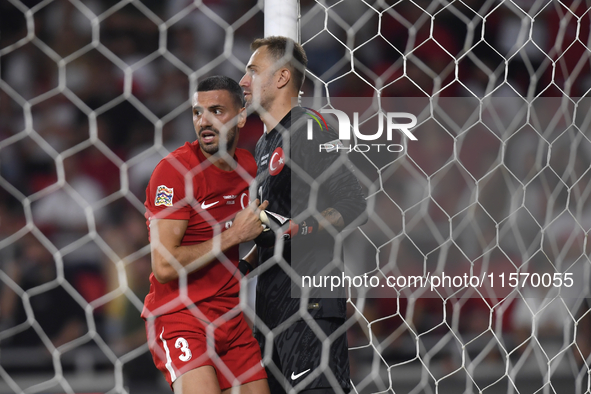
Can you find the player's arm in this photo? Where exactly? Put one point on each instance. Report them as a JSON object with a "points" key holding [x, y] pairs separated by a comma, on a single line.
{"points": [[347, 206], [168, 255], [275, 223], [288, 228], [347, 202]]}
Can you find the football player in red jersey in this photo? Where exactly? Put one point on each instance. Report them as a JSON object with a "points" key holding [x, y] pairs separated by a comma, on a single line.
{"points": [[198, 211]]}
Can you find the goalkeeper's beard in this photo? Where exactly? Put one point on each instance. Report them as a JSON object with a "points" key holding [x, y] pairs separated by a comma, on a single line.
{"points": [[258, 105], [214, 146]]}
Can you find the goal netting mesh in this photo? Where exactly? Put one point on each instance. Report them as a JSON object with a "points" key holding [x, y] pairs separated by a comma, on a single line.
{"points": [[497, 186]]}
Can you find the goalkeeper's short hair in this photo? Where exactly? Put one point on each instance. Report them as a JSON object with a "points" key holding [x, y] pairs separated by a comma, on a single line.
{"points": [[278, 46]]}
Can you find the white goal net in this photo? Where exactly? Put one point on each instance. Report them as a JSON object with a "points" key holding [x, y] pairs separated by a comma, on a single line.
{"points": [[494, 196]]}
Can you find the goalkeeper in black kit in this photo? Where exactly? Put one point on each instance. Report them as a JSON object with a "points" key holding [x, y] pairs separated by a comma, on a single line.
{"points": [[312, 196]]}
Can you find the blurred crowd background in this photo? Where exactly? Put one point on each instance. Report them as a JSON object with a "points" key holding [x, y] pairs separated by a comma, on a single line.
{"points": [[499, 196]]}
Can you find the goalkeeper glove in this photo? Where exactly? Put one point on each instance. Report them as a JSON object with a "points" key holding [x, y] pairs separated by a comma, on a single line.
{"points": [[288, 229]]}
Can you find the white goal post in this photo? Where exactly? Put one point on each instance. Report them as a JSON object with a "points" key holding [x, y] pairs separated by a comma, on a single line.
{"points": [[282, 18]]}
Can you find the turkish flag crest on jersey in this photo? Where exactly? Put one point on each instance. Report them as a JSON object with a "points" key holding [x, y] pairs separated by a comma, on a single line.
{"points": [[276, 162]]}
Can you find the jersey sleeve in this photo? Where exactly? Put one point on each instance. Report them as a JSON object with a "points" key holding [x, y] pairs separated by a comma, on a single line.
{"points": [[165, 194], [342, 187]]}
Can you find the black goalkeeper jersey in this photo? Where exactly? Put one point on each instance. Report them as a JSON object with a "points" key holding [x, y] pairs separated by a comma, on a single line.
{"points": [[288, 164]]}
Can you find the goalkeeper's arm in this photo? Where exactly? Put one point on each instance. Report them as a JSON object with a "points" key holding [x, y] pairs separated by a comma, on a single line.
{"points": [[169, 256], [275, 223]]}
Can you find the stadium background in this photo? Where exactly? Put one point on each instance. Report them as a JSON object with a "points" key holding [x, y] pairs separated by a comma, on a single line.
{"points": [[45, 102]]}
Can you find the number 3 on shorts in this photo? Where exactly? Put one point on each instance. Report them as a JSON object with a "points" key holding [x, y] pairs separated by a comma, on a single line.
{"points": [[181, 343]]}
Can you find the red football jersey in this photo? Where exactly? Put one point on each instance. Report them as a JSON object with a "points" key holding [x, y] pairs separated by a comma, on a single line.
{"points": [[186, 186]]}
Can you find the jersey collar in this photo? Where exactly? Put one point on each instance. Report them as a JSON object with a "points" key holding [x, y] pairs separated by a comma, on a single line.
{"points": [[295, 112]]}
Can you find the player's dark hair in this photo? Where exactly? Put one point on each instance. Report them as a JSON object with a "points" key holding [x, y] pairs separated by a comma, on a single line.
{"points": [[277, 47], [221, 82]]}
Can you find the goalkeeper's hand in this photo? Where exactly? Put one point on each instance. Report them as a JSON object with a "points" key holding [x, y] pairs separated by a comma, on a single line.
{"points": [[274, 223], [246, 226]]}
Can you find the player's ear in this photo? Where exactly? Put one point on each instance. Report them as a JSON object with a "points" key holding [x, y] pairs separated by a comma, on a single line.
{"points": [[241, 118], [284, 77]]}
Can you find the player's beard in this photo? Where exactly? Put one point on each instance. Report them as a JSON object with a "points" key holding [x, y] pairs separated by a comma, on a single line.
{"points": [[213, 148], [258, 105]]}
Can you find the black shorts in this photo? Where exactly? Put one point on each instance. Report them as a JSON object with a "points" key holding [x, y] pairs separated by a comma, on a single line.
{"points": [[297, 354]]}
